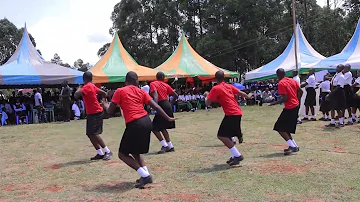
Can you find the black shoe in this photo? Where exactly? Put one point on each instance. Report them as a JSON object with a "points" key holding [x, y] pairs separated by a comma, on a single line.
{"points": [[299, 122], [143, 181], [313, 119], [290, 150], [305, 119], [235, 160], [296, 149], [163, 150], [171, 150], [322, 119], [107, 156], [354, 120], [349, 123], [97, 157]]}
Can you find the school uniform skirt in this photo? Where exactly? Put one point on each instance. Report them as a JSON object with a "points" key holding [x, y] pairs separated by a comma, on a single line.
{"points": [[324, 103], [136, 137], [337, 99], [287, 120], [310, 99], [94, 124], [349, 95], [159, 122], [230, 127]]}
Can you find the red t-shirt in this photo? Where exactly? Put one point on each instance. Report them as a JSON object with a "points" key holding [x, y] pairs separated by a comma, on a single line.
{"points": [[131, 100], [224, 94], [92, 105], [162, 88], [290, 88]]}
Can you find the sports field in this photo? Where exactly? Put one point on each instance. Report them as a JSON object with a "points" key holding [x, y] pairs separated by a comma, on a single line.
{"points": [[49, 162]]}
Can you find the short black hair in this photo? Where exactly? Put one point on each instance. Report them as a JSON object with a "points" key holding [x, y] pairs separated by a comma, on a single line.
{"points": [[280, 72], [131, 78], [160, 76], [87, 76], [348, 66], [219, 76]]}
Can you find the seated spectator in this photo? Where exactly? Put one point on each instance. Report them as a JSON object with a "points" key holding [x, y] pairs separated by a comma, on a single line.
{"points": [[267, 96], [76, 110], [20, 111], [4, 117]]}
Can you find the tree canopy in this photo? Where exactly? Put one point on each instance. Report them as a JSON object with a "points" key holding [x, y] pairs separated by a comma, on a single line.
{"points": [[237, 35]]}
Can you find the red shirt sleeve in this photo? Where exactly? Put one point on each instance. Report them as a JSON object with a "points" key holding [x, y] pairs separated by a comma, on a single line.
{"points": [[170, 91], [281, 89], [235, 90], [147, 98], [152, 87], [213, 95], [116, 97]]}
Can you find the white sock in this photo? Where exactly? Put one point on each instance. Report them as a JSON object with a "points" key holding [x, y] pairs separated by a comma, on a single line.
{"points": [[306, 116], [100, 152], [143, 172], [233, 139], [332, 121], [170, 145], [163, 143], [106, 149], [354, 116], [290, 143], [341, 120], [350, 120], [234, 152], [299, 119], [294, 142], [145, 168]]}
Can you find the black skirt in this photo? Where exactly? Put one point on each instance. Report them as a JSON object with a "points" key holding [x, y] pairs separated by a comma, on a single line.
{"points": [[310, 99], [136, 137], [94, 124], [356, 99], [230, 127], [337, 99], [349, 95], [159, 122], [287, 120], [324, 103]]}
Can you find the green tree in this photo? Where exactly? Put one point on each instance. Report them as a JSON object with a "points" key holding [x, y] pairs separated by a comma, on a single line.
{"points": [[81, 66]]}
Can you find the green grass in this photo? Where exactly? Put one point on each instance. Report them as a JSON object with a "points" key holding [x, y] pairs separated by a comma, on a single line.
{"points": [[49, 162]]}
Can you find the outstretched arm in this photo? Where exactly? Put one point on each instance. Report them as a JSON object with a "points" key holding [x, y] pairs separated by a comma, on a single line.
{"points": [[283, 98], [155, 106]]}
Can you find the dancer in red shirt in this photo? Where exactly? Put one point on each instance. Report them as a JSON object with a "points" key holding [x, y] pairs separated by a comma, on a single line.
{"points": [[160, 91], [225, 95], [290, 93], [94, 118], [136, 138]]}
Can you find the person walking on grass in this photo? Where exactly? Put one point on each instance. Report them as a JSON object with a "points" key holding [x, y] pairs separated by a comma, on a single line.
{"points": [[160, 91], [290, 94], [94, 118], [230, 126], [136, 138]]}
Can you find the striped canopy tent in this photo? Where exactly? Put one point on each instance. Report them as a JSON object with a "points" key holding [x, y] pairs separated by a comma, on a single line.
{"points": [[186, 62], [349, 55], [307, 55], [27, 67], [116, 63]]}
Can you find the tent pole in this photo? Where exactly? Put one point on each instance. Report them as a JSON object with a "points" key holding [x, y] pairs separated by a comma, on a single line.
{"points": [[295, 34]]}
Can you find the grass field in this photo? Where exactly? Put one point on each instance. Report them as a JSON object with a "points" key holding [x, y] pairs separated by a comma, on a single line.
{"points": [[49, 162]]}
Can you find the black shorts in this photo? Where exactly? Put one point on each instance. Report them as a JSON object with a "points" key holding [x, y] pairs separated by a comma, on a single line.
{"points": [[287, 120], [136, 137], [94, 124], [310, 99], [324, 104], [337, 99], [159, 122], [230, 126], [349, 95]]}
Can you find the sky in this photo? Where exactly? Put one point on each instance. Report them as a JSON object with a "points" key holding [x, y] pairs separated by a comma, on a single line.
{"points": [[72, 28]]}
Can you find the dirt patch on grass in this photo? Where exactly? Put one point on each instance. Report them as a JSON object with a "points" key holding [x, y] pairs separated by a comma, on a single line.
{"points": [[277, 166], [54, 188], [53, 167], [330, 141], [186, 197], [338, 149], [112, 162], [278, 146], [8, 187]]}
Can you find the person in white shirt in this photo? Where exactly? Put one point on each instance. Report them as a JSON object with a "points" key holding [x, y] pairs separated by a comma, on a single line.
{"points": [[75, 108], [310, 100], [39, 106], [356, 100], [146, 88], [337, 97], [296, 77], [324, 105], [349, 95]]}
